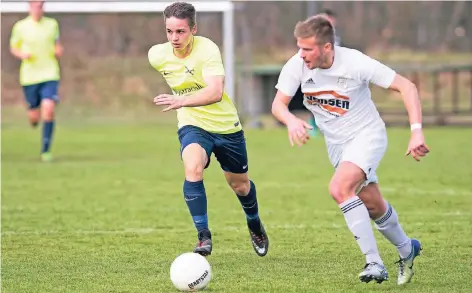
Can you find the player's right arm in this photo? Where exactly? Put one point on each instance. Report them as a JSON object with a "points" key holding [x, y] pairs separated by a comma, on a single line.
{"points": [[15, 43], [377, 73], [156, 56], [287, 86]]}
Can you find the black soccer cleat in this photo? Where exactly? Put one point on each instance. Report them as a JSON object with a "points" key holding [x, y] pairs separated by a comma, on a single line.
{"points": [[259, 239], [204, 245]]}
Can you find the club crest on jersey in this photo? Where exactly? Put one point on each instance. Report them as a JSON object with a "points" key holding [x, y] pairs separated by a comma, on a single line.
{"points": [[328, 101], [342, 82], [189, 71]]}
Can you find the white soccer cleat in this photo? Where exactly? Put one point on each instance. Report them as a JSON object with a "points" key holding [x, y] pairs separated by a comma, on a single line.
{"points": [[374, 271], [405, 266]]}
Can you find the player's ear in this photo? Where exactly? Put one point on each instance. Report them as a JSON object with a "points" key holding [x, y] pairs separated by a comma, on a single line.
{"points": [[194, 30], [328, 47]]}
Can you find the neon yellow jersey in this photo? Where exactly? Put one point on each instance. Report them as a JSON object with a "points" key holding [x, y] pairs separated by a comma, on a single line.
{"points": [[37, 39], [186, 76]]}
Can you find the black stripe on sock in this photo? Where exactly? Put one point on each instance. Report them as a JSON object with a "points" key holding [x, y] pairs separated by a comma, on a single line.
{"points": [[352, 206], [387, 215]]}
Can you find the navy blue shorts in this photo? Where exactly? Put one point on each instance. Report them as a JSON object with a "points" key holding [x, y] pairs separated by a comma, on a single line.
{"points": [[35, 93], [229, 149]]}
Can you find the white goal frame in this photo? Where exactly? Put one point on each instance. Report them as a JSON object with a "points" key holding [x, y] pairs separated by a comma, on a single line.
{"points": [[225, 7]]}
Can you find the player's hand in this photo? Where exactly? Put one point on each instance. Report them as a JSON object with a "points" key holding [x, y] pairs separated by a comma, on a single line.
{"points": [[417, 148], [174, 102], [297, 131], [58, 50], [25, 56]]}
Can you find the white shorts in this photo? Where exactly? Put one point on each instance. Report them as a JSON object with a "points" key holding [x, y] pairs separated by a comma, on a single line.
{"points": [[365, 150]]}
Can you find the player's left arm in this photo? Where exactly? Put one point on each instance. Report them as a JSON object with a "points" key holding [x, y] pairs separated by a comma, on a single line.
{"points": [[214, 76], [410, 97], [383, 76], [212, 93], [58, 48], [417, 147]]}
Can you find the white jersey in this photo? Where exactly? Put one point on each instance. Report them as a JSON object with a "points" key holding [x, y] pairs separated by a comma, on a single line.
{"points": [[338, 97]]}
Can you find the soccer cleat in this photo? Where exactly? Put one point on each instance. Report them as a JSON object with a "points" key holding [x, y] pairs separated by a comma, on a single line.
{"points": [[204, 245], [405, 266], [259, 239], [373, 271], [46, 157]]}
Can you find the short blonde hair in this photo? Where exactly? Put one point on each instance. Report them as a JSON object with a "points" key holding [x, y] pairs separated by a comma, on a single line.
{"points": [[317, 26]]}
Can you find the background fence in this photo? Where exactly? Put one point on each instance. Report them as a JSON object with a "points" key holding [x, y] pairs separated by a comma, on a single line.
{"points": [[106, 73]]}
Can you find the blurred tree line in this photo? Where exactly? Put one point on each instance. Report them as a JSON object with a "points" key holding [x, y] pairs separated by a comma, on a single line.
{"points": [[416, 25], [262, 30]]}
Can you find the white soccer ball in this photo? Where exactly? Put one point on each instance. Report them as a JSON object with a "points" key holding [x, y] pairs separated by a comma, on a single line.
{"points": [[190, 272]]}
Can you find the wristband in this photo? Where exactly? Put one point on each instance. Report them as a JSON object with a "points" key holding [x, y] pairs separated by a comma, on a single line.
{"points": [[415, 126]]}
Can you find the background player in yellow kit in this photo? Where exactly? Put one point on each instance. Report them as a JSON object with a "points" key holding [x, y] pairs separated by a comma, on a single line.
{"points": [[208, 121], [35, 41]]}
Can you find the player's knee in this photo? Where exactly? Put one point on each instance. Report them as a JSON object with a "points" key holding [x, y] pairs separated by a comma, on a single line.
{"points": [[47, 110], [240, 187], [340, 192], [33, 116], [239, 183], [194, 171]]}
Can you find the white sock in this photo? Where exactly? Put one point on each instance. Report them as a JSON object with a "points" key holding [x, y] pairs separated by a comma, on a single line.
{"points": [[391, 229], [358, 221]]}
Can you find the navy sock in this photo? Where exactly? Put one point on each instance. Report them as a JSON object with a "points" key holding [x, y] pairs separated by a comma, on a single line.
{"points": [[48, 129], [195, 197], [250, 207]]}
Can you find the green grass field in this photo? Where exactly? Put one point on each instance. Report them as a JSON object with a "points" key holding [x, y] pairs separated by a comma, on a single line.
{"points": [[108, 215]]}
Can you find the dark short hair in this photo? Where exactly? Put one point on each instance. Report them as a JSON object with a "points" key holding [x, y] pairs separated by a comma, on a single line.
{"points": [[317, 26], [182, 10]]}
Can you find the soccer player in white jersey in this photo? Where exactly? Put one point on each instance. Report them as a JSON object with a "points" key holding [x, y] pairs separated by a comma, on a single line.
{"points": [[335, 84], [208, 122]]}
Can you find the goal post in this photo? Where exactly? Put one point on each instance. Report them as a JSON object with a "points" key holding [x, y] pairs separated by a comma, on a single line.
{"points": [[225, 7]]}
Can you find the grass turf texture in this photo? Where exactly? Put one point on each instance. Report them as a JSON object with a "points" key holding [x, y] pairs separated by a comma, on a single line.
{"points": [[108, 214]]}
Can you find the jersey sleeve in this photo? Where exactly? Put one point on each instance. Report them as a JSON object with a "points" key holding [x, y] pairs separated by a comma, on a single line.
{"points": [[373, 71], [290, 77], [156, 56], [15, 39], [213, 65]]}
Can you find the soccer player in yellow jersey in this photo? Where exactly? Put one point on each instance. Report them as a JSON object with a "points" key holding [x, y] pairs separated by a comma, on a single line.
{"points": [[207, 120], [35, 41]]}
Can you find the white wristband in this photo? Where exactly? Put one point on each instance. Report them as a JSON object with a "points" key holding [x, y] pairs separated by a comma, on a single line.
{"points": [[415, 126]]}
